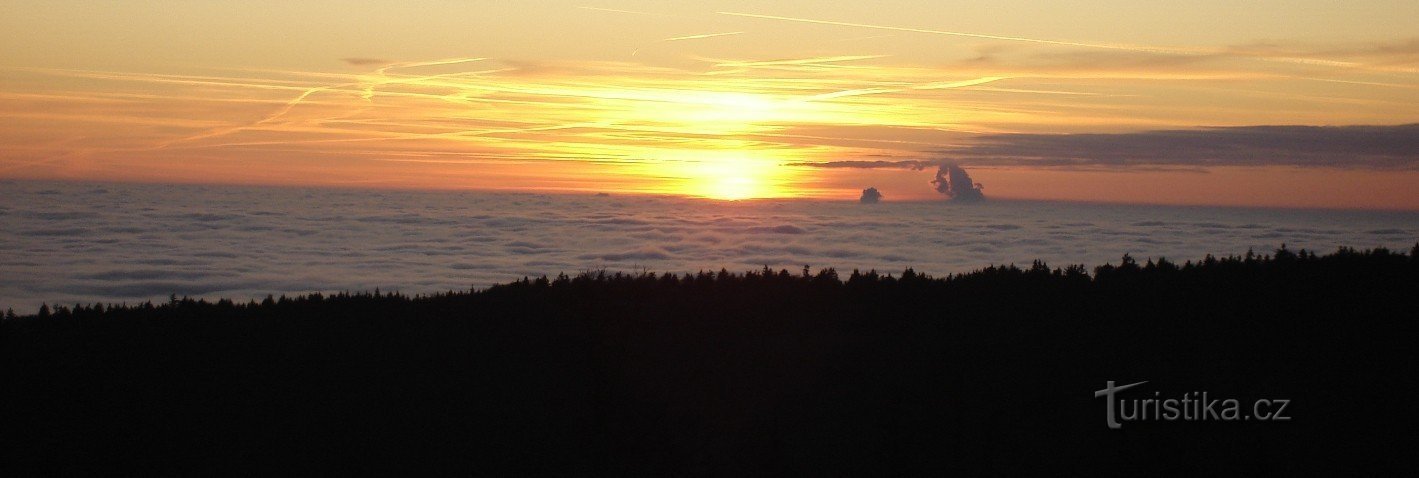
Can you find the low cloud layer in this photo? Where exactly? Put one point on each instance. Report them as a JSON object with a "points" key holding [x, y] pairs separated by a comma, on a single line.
{"points": [[74, 242]]}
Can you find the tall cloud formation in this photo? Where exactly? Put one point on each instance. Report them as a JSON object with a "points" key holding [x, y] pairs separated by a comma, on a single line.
{"points": [[1393, 147], [953, 181]]}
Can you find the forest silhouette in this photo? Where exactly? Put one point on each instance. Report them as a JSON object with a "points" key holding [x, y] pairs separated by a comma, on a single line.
{"points": [[731, 374]]}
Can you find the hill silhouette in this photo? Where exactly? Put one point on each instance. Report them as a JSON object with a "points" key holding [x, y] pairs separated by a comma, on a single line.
{"points": [[732, 374]]}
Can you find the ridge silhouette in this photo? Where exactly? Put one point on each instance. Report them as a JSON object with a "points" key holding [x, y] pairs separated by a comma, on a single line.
{"points": [[730, 374]]}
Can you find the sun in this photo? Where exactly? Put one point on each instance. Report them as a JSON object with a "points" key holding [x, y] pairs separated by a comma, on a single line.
{"points": [[711, 145], [732, 177], [734, 188]]}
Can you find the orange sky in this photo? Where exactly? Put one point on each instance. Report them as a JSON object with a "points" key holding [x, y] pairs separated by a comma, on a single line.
{"points": [[717, 99]]}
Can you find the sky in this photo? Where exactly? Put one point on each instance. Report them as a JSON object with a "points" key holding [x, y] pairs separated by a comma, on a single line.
{"points": [[1288, 104]]}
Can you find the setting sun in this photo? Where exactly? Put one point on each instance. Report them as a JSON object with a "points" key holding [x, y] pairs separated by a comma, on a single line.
{"points": [[733, 179], [723, 175]]}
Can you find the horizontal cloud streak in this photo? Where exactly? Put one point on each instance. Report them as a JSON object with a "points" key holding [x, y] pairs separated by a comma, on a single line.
{"points": [[1348, 147], [1374, 147]]}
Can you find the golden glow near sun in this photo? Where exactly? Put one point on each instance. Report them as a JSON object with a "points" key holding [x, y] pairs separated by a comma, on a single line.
{"points": [[697, 99], [729, 181], [732, 177]]}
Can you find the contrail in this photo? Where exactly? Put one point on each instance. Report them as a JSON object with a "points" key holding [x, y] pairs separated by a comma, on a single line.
{"points": [[1354, 82], [613, 10], [796, 61], [294, 101], [164, 78], [928, 86], [707, 35], [1148, 49], [689, 37], [411, 64], [856, 92], [367, 93], [958, 84], [368, 90], [383, 71], [226, 130], [1050, 92], [1107, 46]]}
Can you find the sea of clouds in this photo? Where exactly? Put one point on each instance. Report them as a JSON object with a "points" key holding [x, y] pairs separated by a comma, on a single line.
{"points": [[84, 242]]}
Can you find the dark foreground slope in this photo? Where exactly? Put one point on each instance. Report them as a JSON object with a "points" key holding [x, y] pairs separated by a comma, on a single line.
{"points": [[731, 375]]}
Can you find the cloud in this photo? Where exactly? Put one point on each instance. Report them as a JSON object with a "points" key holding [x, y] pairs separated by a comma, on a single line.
{"points": [[1394, 147], [950, 180], [913, 164], [1360, 147], [358, 61], [642, 254], [870, 196], [953, 182], [1393, 56], [289, 240], [1396, 56], [412, 115], [780, 229]]}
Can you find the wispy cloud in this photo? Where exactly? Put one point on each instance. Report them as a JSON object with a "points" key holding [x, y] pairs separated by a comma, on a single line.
{"points": [[1393, 147], [359, 61], [1360, 146], [619, 10], [1393, 57], [1110, 46], [835, 61]]}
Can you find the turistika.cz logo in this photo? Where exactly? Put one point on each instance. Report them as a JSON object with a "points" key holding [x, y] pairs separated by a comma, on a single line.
{"points": [[1192, 406]]}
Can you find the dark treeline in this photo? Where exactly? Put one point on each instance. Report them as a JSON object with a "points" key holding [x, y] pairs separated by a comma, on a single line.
{"points": [[725, 374]]}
